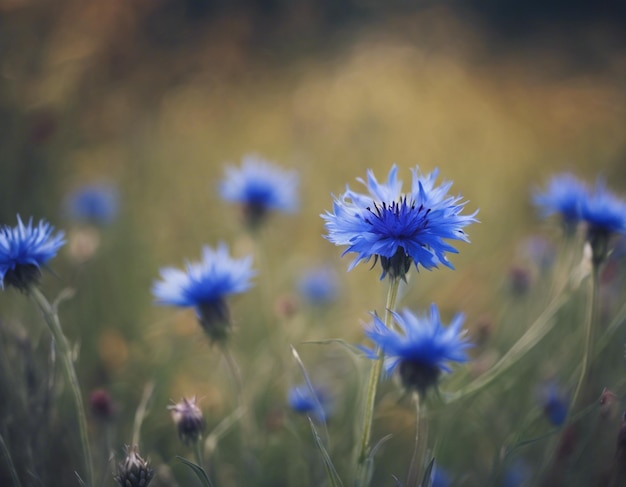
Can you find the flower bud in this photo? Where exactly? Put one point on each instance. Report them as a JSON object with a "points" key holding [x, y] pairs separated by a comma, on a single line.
{"points": [[134, 471], [188, 419]]}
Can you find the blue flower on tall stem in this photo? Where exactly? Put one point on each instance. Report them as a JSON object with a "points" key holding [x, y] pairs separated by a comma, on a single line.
{"points": [[422, 350], [97, 204], [399, 228], [205, 286], [260, 187], [564, 196], [605, 215], [302, 400], [24, 249]]}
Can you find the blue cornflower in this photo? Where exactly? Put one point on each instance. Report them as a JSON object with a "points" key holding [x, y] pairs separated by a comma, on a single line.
{"points": [[399, 228], [319, 286], [566, 196], [555, 404], [97, 204], [605, 215], [24, 249], [302, 400], [205, 286], [260, 187], [423, 349]]}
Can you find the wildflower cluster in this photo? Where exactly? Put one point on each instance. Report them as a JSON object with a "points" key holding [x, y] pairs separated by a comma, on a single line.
{"points": [[601, 211]]}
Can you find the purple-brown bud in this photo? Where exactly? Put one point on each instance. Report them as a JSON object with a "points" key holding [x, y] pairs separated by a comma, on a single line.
{"points": [[188, 419]]}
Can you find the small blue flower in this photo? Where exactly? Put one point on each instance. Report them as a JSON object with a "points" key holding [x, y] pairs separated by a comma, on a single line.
{"points": [[565, 196], [603, 211], [24, 249], [301, 400], [319, 286], [400, 229], [440, 478], [205, 286], [97, 204], [423, 349], [260, 187], [555, 404]]}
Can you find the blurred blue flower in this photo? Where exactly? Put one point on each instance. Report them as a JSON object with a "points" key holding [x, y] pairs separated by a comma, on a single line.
{"points": [[260, 187], [423, 349], [319, 286], [516, 475], [24, 249], [555, 404], [440, 478], [205, 286], [565, 195], [399, 228], [603, 211], [302, 400], [97, 204]]}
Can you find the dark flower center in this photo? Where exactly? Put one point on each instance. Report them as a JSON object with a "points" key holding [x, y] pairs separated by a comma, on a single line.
{"points": [[418, 376], [399, 219], [22, 276]]}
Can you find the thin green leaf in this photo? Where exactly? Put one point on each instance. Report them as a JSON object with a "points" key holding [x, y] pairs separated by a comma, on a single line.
{"points": [[198, 470], [428, 474], [331, 472]]}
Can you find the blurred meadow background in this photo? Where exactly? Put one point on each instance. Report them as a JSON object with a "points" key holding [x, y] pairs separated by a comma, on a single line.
{"points": [[156, 97]]}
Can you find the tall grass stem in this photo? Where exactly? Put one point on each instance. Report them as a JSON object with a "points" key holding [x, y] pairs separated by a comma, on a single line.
{"points": [[420, 445], [52, 319]]}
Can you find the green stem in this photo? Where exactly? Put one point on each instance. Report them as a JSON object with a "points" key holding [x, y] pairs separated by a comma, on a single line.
{"points": [[590, 320], [52, 319], [364, 444], [197, 451], [421, 440]]}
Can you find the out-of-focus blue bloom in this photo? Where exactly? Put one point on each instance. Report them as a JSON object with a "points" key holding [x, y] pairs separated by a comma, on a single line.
{"points": [[97, 204], [319, 286], [555, 404], [566, 196], [516, 475], [205, 286], [423, 349], [604, 212], [440, 478], [24, 249], [260, 187], [301, 400], [399, 228]]}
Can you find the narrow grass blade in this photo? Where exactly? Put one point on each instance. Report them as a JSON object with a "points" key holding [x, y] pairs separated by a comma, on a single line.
{"points": [[331, 472], [199, 471]]}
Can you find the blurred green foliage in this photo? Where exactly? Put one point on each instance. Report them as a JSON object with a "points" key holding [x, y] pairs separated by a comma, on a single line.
{"points": [[156, 100]]}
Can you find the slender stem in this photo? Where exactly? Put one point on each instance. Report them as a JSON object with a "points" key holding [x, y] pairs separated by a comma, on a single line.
{"points": [[197, 451], [421, 440], [52, 319], [590, 322], [140, 413], [7, 455], [372, 385]]}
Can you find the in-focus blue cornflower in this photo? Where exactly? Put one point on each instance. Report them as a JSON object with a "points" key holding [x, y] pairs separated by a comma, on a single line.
{"points": [[555, 404], [97, 204], [422, 350], [565, 196], [260, 187], [319, 286], [205, 286], [24, 249], [399, 228], [301, 400]]}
